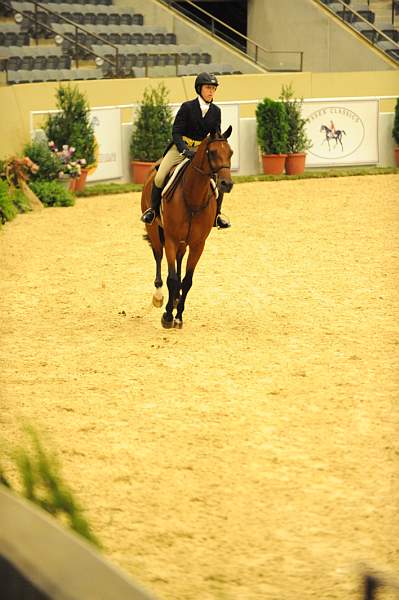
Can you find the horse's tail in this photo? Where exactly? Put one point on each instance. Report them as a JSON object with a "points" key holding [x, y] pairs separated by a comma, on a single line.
{"points": [[344, 132]]}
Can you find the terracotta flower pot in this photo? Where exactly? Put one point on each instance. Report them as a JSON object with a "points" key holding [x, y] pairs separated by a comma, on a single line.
{"points": [[140, 170], [397, 156], [273, 164], [80, 181], [295, 163]]}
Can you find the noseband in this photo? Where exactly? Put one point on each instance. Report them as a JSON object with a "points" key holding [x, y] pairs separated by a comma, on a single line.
{"points": [[213, 169]]}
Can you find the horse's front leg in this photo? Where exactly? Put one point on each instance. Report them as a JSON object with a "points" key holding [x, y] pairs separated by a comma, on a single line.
{"points": [[157, 298], [172, 282], [192, 260], [179, 260]]}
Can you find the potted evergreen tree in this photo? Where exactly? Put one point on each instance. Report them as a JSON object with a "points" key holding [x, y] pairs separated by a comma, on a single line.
{"points": [[71, 127], [395, 131], [272, 135], [297, 139], [151, 132]]}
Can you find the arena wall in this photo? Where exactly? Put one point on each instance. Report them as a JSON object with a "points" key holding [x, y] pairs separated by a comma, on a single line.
{"points": [[18, 102]]}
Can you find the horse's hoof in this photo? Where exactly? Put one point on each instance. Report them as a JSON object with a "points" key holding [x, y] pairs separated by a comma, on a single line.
{"points": [[157, 302], [178, 324], [157, 298], [166, 323]]}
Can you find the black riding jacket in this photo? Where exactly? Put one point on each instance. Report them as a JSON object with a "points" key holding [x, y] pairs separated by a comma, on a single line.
{"points": [[190, 122]]}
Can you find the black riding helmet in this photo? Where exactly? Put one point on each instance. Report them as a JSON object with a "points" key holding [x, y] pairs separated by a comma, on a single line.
{"points": [[204, 79]]}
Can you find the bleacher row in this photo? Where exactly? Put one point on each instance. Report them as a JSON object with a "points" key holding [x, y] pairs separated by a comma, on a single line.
{"points": [[371, 30], [106, 28]]}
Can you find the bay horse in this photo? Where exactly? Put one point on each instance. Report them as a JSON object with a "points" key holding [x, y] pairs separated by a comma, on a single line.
{"points": [[188, 214], [330, 135]]}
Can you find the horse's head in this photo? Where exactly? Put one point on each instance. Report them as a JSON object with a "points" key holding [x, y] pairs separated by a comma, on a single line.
{"points": [[218, 153]]}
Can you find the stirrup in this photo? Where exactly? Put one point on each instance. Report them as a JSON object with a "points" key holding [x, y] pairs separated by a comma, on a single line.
{"points": [[148, 216], [222, 222]]}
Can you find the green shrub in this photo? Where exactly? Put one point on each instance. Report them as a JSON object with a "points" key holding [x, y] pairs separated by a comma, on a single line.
{"points": [[42, 483], [152, 130], [12, 202], [49, 164], [272, 127], [395, 130], [8, 210], [52, 193], [72, 125], [297, 139]]}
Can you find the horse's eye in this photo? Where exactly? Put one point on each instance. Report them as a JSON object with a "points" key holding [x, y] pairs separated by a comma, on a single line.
{"points": [[212, 154]]}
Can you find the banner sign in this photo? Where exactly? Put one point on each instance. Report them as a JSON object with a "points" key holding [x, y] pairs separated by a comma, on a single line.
{"points": [[342, 132], [107, 130]]}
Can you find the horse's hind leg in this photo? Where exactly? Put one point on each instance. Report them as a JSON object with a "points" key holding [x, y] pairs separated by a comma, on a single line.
{"points": [[155, 238]]}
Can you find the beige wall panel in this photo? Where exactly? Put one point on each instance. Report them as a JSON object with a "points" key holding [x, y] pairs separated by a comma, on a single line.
{"points": [[17, 101]]}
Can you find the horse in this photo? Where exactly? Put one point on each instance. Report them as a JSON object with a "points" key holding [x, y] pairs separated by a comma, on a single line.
{"points": [[331, 135], [188, 213]]}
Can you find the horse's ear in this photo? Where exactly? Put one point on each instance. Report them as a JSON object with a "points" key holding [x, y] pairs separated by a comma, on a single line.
{"points": [[228, 131], [213, 133]]}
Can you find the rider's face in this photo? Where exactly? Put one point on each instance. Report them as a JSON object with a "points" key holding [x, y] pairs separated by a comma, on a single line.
{"points": [[208, 92]]}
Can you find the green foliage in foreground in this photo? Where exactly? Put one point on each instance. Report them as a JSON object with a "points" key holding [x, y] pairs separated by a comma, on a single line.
{"points": [[12, 201], [42, 484], [103, 189], [52, 193]]}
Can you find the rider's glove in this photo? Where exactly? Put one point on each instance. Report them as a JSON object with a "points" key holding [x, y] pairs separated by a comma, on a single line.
{"points": [[188, 153]]}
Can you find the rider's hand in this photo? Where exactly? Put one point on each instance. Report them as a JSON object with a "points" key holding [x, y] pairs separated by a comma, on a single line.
{"points": [[188, 153]]}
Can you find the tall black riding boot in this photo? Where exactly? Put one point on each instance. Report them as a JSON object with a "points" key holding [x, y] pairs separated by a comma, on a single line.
{"points": [[149, 215], [220, 222]]}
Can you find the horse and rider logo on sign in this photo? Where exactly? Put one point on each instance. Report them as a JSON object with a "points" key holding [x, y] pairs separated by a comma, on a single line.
{"points": [[341, 133], [336, 131]]}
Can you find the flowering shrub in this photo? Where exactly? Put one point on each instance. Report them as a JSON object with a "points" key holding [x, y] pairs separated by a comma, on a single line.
{"points": [[69, 165]]}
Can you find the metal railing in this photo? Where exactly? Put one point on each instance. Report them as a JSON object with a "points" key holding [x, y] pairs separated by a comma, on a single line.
{"points": [[270, 60], [394, 8], [356, 17], [71, 39]]}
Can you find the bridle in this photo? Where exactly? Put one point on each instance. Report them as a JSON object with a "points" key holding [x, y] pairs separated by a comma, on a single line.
{"points": [[213, 170], [194, 211]]}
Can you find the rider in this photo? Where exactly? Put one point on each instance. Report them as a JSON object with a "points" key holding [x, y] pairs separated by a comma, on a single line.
{"points": [[194, 120]]}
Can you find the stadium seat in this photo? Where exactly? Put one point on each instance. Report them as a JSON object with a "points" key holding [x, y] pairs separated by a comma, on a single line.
{"points": [[367, 14], [53, 62], [39, 62], [126, 19], [137, 19], [393, 53], [390, 31], [114, 19], [366, 30]]}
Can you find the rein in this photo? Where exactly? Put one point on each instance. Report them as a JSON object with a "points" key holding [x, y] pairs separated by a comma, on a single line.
{"points": [[213, 170]]}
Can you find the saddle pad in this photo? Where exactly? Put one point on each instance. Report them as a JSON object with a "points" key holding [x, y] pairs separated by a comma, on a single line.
{"points": [[174, 175], [177, 170]]}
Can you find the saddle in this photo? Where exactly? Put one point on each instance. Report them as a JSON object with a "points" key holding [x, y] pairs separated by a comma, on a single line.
{"points": [[174, 178]]}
